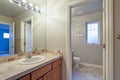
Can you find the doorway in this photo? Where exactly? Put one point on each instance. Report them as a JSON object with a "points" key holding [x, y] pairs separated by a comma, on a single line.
{"points": [[107, 38], [87, 40], [26, 35]]}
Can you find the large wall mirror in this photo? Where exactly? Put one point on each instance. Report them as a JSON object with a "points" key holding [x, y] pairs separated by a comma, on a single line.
{"points": [[21, 29]]}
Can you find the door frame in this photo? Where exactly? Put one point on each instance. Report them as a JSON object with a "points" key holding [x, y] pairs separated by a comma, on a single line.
{"points": [[107, 39], [22, 25]]}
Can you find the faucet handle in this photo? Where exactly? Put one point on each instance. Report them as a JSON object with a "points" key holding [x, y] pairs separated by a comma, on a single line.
{"points": [[37, 48]]}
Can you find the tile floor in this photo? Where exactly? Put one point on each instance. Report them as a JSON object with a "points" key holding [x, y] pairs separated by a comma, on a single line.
{"points": [[87, 73]]}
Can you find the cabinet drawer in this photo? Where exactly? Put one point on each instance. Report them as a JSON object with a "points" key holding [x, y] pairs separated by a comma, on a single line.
{"points": [[49, 76], [55, 74], [40, 72], [57, 63], [26, 77]]}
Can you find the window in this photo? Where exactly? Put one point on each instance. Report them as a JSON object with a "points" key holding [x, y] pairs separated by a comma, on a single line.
{"points": [[6, 35], [93, 33]]}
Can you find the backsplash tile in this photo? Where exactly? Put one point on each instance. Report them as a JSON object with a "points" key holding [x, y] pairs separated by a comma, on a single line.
{"points": [[22, 55]]}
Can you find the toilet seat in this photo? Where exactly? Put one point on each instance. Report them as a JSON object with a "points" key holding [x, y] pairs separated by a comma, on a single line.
{"points": [[76, 59]]}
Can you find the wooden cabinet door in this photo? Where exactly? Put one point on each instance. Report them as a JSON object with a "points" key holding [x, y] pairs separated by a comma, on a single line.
{"points": [[41, 78], [55, 74], [26, 77], [57, 63], [49, 76], [58, 73], [35, 75]]}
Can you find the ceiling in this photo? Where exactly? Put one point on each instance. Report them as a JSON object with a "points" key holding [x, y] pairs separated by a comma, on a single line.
{"points": [[90, 7], [11, 10]]}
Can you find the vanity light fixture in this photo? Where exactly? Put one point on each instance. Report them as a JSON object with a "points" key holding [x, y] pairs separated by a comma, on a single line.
{"points": [[30, 4], [19, 4], [24, 1], [11, 1], [27, 5]]}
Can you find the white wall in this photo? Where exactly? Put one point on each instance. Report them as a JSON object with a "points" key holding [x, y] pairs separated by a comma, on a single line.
{"points": [[5, 19], [56, 27], [88, 53]]}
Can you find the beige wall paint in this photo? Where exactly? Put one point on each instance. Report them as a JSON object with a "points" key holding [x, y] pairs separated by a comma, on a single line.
{"points": [[116, 41], [56, 27], [88, 53], [5, 19]]}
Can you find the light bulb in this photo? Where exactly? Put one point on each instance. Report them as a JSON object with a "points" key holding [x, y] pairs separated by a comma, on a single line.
{"points": [[30, 4], [19, 4], [41, 10], [11, 1], [24, 1], [32, 8], [36, 7]]}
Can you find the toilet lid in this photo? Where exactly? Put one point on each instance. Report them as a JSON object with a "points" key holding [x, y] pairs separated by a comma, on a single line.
{"points": [[76, 58]]}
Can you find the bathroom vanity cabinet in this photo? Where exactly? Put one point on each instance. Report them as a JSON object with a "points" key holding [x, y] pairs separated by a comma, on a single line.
{"points": [[55, 74], [26, 77], [52, 71]]}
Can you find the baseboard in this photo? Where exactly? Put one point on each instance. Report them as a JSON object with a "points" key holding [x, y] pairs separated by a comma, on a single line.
{"points": [[91, 65]]}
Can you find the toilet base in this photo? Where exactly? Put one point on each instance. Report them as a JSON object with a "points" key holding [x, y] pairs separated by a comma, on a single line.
{"points": [[76, 66], [76, 61]]}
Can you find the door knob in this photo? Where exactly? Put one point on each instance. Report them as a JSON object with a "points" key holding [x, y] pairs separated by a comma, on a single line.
{"points": [[118, 37]]}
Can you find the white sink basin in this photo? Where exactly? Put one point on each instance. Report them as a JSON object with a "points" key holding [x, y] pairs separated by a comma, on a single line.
{"points": [[32, 60]]}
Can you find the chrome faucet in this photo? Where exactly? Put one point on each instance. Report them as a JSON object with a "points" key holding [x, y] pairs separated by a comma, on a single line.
{"points": [[29, 55]]}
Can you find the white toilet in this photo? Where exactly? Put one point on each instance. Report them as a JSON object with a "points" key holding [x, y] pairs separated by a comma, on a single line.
{"points": [[76, 61]]}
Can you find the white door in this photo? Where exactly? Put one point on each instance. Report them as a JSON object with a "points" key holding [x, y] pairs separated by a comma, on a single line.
{"points": [[22, 34], [11, 39], [28, 38]]}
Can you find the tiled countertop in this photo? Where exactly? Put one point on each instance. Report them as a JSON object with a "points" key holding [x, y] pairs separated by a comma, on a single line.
{"points": [[13, 70]]}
